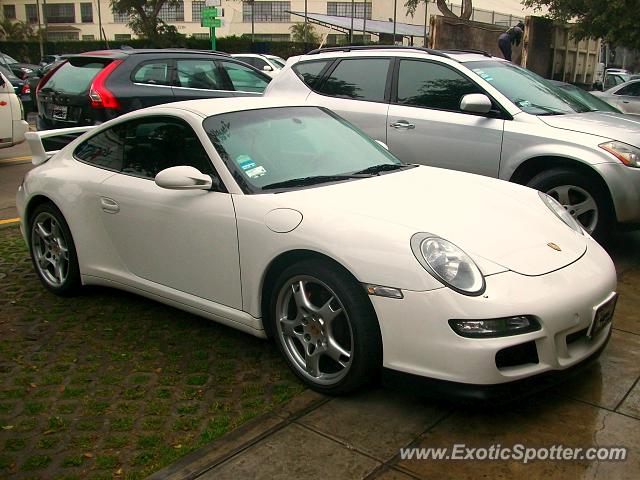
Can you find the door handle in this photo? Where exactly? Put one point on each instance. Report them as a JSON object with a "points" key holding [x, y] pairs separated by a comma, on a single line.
{"points": [[109, 205], [626, 101], [402, 125]]}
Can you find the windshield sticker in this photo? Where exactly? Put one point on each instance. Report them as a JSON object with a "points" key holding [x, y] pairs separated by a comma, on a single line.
{"points": [[256, 172], [484, 75], [245, 162]]}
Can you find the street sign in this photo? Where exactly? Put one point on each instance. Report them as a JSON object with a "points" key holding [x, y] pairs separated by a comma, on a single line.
{"points": [[211, 22], [210, 12]]}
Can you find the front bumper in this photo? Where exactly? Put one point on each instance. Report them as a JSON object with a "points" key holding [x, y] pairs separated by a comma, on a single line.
{"points": [[624, 186], [418, 340]]}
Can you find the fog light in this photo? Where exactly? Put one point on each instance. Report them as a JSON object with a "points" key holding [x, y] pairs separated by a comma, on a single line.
{"points": [[495, 327]]}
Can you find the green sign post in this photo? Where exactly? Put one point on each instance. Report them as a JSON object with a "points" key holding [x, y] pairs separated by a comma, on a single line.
{"points": [[209, 19]]}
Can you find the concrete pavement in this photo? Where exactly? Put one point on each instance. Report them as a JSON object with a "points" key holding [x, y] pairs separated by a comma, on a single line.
{"points": [[14, 163]]}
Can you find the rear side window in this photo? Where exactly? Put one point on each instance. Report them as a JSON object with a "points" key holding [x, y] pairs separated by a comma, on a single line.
{"points": [[104, 150], [309, 72], [632, 90], [430, 85], [244, 79], [153, 73], [74, 79], [360, 79], [203, 74]]}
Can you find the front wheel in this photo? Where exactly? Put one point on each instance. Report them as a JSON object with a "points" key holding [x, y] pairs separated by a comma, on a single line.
{"points": [[326, 328], [581, 196]]}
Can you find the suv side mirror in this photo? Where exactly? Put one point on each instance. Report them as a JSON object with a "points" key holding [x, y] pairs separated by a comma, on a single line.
{"points": [[476, 103], [267, 68], [183, 178]]}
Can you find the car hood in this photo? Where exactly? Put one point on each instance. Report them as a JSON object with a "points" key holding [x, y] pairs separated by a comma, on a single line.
{"points": [[615, 126], [490, 219]]}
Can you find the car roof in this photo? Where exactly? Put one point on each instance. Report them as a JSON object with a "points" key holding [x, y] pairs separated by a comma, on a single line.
{"points": [[122, 53], [461, 56], [215, 106]]}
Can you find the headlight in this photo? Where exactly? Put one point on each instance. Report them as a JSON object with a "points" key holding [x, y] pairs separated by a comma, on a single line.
{"points": [[448, 264], [560, 212], [627, 154]]}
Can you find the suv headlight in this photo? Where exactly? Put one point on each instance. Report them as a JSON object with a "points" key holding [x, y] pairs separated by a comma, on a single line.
{"points": [[560, 212], [627, 154], [448, 263]]}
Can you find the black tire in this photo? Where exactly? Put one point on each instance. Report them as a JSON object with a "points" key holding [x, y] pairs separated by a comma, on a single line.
{"points": [[71, 283], [548, 180], [366, 353]]}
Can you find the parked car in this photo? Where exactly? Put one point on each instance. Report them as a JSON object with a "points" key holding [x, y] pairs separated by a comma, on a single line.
{"points": [[480, 114], [590, 100], [20, 87], [269, 64], [12, 124], [286, 221], [93, 87], [625, 96], [19, 69]]}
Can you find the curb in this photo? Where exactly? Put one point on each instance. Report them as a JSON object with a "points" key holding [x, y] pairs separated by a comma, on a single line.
{"points": [[14, 161], [235, 442]]}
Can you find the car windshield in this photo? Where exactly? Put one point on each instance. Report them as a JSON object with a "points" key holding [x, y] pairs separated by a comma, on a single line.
{"points": [[591, 101], [9, 59], [293, 146], [8, 74], [278, 62], [528, 91], [73, 79]]}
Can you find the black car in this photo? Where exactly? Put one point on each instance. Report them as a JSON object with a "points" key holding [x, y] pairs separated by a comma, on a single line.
{"points": [[92, 87], [19, 69], [21, 87]]}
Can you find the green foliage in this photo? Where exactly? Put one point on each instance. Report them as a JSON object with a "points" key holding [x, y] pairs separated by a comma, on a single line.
{"points": [[11, 30], [144, 20], [467, 8], [298, 33], [614, 20]]}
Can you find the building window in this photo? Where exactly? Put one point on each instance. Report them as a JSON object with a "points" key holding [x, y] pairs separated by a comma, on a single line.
{"points": [[196, 11], [172, 14], [86, 12], [267, 12], [60, 13], [343, 9], [120, 17], [88, 37], [61, 36], [31, 11], [9, 12], [121, 37]]}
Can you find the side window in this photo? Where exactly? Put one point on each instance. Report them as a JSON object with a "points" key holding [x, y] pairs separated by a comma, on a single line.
{"points": [[360, 79], [153, 144], [153, 73], [632, 90], [203, 74], [429, 85], [259, 63], [309, 72], [104, 150], [243, 78]]}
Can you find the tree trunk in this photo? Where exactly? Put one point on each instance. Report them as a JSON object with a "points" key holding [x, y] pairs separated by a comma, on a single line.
{"points": [[467, 9]]}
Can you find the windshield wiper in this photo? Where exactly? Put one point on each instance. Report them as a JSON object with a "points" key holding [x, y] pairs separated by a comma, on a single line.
{"points": [[383, 167], [304, 181]]}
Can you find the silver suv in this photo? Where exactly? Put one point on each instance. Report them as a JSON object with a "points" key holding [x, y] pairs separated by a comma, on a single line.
{"points": [[473, 112]]}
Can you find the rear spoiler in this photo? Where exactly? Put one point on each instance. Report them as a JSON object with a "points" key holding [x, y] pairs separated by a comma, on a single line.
{"points": [[54, 140]]}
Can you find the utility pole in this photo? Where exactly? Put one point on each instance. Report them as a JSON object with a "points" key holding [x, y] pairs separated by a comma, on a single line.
{"points": [[253, 23], [44, 18], [99, 20], [306, 26], [364, 24], [353, 12], [426, 11], [395, 13], [39, 29]]}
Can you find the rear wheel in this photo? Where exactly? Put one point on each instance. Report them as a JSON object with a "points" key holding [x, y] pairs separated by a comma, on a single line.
{"points": [[53, 252], [581, 196], [326, 327]]}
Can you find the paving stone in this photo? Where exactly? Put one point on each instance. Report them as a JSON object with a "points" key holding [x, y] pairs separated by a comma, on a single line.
{"points": [[631, 404]]}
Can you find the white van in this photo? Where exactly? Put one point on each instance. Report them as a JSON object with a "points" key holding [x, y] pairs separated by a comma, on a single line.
{"points": [[12, 125]]}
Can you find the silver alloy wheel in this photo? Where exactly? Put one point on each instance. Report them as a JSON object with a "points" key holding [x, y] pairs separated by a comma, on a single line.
{"points": [[50, 249], [579, 203], [314, 329]]}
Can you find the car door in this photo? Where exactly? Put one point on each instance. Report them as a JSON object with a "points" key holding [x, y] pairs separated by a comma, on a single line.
{"points": [[200, 78], [358, 90], [151, 84], [245, 80], [426, 125], [627, 98], [185, 240], [6, 118]]}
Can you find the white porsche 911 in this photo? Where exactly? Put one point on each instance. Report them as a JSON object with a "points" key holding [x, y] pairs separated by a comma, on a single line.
{"points": [[285, 221]]}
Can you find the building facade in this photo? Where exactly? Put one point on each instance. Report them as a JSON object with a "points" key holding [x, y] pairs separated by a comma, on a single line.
{"points": [[81, 19]]}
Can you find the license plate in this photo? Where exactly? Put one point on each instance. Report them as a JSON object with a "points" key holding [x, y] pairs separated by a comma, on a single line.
{"points": [[603, 315], [59, 112]]}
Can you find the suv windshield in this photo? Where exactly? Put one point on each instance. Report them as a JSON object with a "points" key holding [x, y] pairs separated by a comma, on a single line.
{"points": [[528, 91], [591, 101], [73, 79], [293, 147]]}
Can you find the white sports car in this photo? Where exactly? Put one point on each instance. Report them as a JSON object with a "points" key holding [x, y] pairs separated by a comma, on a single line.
{"points": [[285, 221]]}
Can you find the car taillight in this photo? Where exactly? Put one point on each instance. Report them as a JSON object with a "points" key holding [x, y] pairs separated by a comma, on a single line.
{"points": [[100, 95], [47, 76], [26, 89]]}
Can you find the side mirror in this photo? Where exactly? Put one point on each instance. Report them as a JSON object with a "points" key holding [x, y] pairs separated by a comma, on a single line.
{"points": [[267, 68], [476, 103], [183, 178], [382, 144]]}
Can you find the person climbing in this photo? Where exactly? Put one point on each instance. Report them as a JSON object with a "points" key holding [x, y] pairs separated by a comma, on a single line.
{"points": [[513, 36]]}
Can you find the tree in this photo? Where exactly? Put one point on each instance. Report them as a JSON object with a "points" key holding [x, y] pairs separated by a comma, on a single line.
{"points": [[467, 8], [298, 30], [10, 30], [144, 17], [614, 20]]}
